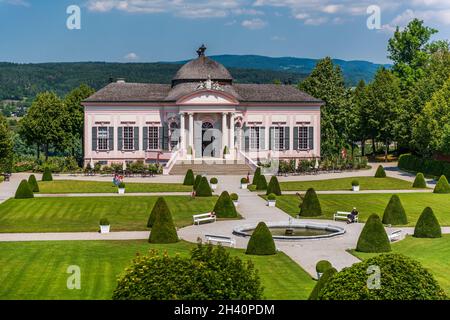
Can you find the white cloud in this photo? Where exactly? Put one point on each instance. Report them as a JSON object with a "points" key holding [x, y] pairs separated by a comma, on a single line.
{"points": [[332, 8], [21, 3], [254, 24], [278, 38], [316, 21], [131, 56]]}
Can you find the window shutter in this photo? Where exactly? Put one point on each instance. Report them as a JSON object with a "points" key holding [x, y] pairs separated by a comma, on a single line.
{"points": [[161, 137], [262, 138], [111, 138], [286, 138], [311, 137], [271, 137], [246, 136], [145, 138], [136, 138], [295, 138], [94, 138], [166, 137], [120, 138]]}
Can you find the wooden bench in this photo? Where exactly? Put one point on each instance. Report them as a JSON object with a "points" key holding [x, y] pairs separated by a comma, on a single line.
{"points": [[6, 176], [203, 217], [395, 235], [341, 215], [220, 239]]}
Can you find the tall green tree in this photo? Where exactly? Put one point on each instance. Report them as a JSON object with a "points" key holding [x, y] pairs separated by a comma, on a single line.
{"points": [[326, 82], [44, 123], [6, 146], [359, 126]]}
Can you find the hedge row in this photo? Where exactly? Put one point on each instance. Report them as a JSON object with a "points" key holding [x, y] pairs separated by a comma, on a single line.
{"points": [[427, 166]]}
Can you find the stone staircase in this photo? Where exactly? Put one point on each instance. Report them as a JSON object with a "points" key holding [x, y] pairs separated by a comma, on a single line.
{"points": [[211, 168]]}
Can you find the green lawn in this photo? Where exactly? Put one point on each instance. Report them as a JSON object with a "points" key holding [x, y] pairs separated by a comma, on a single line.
{"points": [[434, 254], [77, 186], [83, 213], [366, 183], [414, 203], [37, 270]]}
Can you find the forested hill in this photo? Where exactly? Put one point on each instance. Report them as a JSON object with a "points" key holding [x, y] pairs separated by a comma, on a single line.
{"points": [[26, 80]]}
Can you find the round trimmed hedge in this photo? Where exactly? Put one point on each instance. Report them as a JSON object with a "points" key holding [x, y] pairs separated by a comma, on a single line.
{"points": [[310, 207], [224, 207], [203, 188], [209, 273], [402, 278], [419, 181], [214, 180], [261, 242], [234, 197], [394, 213], [442, 185], [24, 191], [47, 175], [33, 183], [373, 237], [189, 178], [427, 226], [261, 183], [163, 228], [274, 186], [323, 265], [256, 176], [380, 172], [321, 283]]}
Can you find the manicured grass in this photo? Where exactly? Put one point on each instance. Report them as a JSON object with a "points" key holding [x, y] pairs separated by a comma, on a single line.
{"points": [[83, 213], [77, 186], [366, 204], [38, 270], [434, 254], [366, 183]]}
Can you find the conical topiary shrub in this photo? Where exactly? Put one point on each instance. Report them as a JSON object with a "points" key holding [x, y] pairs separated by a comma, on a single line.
{"points": [[24, 191], [47, 175], [419, 182], [163, 228], [160, 205], [203, 188], [327, 275], [261, 242], [427, 226], [224, 207], [310, 207], [380, 172], [273, 187], [33, 183], [189, 178], [373, 237], [442, 186], [197, 180], [394, 213], [261, 183], [256, 176]]}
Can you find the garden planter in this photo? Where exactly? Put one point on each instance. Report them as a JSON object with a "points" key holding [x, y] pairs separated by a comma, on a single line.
{"points": [[355, 188], [244, 185], [214, 186], [104, 229], [121, 190], [236, 203], [271, 203]]}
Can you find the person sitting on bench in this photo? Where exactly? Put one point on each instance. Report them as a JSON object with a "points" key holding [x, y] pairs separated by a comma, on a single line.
{"points": [[351, 217]]}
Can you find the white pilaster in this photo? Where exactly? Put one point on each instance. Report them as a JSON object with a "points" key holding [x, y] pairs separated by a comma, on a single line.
{"points": [[191, 130], [232, 133], [224, 130], [182, 133]]}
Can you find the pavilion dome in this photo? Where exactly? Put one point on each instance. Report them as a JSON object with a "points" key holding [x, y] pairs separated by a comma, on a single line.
{"points": [[201, 69]]}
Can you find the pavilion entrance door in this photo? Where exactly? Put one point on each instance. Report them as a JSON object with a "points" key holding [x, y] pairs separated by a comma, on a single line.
{"points": [[208, 141]]}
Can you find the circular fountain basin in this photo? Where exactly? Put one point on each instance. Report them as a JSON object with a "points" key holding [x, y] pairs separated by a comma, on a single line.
{"points": [[294, 230]]}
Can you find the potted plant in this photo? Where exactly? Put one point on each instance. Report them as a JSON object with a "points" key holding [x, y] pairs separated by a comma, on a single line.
{"points": [[321, 267], [226, 153], [235, 198], [121, 188], [104, 225], [271, 200], [213, 182], [244, 183], [189, 153], [355, 185]]}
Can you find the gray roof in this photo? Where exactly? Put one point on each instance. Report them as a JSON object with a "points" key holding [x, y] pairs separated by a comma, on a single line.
{"points": [[148, 92], [201, 68]]}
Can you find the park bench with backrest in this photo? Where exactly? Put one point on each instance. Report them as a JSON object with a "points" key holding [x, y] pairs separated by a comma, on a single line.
{"points": [[204, 217], [220, 239], [395, 235], [6, 176], [341, 215]]}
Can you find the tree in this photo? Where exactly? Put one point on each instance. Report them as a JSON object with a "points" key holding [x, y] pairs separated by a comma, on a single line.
{"points": [[24, 191], [209, 273], [359, 124], [189, 178], [326, 82], [33, 183], [163, 228], [442, 185], [427, 226], [256, 176], [394, 213], [160, 206], [224, 207], [310, 206], [373, 237], [419, 181], [261, 242], [324, 279], [47, 175], [274, 187], [380, 173], [261, 183], [44, 123], [197, 180], [6, 146], [203, 189]]}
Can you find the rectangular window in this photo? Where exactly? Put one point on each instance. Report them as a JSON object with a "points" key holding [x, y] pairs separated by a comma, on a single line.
{"points": [[303, 138], [278, 133], [254, 138], [102, 138], [128, 138], [153, 138]]}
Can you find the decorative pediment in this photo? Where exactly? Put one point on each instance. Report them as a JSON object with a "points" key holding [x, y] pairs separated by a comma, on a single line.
{"points": [[208, 97]]}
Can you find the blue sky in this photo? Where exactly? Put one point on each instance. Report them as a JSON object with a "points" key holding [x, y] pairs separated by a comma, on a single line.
{"points": [[168, 30]]}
